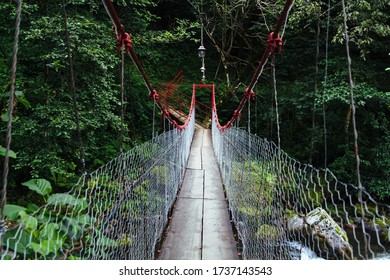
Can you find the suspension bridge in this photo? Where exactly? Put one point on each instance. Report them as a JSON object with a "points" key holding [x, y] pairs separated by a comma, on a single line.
{"points": [[195, 192]]}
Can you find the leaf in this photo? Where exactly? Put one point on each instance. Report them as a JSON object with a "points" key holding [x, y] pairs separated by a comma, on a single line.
{"points": [[12, 211], [28, 221], [17, 241], [31, 207], [72, 228], [22, 99], [47, 246], [50, 240], [103, 241], [4, 117], [86, 220], [11, 153], [41, 186], [49, 231], [64, 199]]}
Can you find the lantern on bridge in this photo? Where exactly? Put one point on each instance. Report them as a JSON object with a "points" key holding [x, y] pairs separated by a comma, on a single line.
{"points": [[202, 53]]}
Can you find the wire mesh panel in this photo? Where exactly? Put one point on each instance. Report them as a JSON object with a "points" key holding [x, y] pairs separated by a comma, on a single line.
{"points": [[287, 210], [118, 211]]}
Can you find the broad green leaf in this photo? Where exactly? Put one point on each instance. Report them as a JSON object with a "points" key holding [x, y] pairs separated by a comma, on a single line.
{"points": [[28, 221], [86, 219], [22, 99], [49, 231], [17, 241], [106, 242], [51, 240], [47, 246], [71, 227], [32, 207], [12, 211], [65, 199], [41, 186], [37, 248], [11, 153]]}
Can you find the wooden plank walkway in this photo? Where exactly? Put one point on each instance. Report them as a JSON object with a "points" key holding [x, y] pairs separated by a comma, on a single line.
{"points": [[200, 227]]}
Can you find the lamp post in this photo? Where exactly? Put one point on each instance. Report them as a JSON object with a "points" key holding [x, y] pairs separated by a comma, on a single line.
{"points": [[202, 53]]}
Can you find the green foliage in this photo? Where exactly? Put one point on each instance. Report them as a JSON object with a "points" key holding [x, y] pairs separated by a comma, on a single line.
{"points": [[63, 199], [12, 211], [11, 153], [268, 232], [44, 231], [165, 35], [258, 183], [368, 21], [41, 186], [184, 30]]}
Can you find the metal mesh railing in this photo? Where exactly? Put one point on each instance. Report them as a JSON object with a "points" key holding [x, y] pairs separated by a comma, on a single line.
{"points": [[287, 210], [118, 211]]}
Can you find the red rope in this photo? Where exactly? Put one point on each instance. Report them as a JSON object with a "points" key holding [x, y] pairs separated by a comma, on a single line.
{"points": [[274, 44], [123, 41]]}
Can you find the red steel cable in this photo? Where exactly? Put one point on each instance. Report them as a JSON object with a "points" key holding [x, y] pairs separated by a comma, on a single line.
{"points": [[123, 40], [274, 43]]}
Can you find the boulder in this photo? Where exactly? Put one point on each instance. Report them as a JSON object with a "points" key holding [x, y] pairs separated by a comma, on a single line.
{"points": [[321, 225]]}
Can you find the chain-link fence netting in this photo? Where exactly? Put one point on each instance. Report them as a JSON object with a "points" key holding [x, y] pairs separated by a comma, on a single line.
{"points": [[118, 211], [287, 210]]}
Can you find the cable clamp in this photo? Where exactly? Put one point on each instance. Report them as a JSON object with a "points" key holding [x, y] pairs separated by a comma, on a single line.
{"points": [[249, 95], [153, 96], [123, 40], [274, 43]]}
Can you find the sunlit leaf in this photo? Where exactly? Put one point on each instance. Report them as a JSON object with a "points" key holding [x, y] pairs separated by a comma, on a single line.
{"points": [[12, 211], [41, 186]]}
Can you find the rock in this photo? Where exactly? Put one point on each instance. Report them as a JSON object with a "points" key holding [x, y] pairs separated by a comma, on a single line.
{"points": [[296, 223], [269, 233], [321, 225], [325, 227]]}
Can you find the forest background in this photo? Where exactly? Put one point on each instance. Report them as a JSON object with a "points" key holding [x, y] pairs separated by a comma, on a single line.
{"points": [[57, 129]]}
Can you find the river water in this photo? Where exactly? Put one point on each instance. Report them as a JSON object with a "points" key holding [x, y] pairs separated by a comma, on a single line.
{"points": [[299, 252]]}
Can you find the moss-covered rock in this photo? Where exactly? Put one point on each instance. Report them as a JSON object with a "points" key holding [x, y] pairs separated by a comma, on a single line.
{"points": [[296, 223], [320, 224], [268, 232]]}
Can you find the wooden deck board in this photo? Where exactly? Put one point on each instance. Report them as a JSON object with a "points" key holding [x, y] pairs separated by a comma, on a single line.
{"points": [[200, 227]]}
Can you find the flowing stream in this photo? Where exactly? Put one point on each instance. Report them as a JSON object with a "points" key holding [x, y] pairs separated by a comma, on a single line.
{"points": [[299, 252]]}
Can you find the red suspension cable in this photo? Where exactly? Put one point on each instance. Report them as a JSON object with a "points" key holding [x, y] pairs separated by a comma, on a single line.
{"points": [[274, 44], [124, 41]]}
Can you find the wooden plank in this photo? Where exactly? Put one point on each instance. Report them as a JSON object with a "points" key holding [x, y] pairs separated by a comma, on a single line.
{"points": [[183, 240], [208, 160], [218, 239], [197, 141], [207, 140], [213, 186], [195, 158], [192, 184], [200, 227]]}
